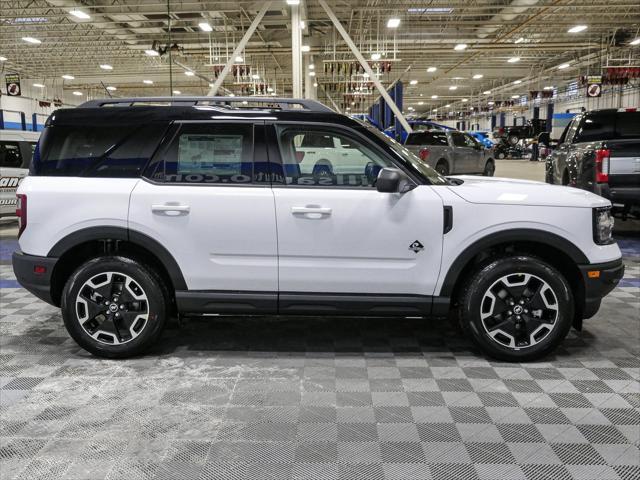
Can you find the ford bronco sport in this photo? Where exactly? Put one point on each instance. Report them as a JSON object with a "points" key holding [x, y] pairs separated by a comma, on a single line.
{"points": [[138, 209]]}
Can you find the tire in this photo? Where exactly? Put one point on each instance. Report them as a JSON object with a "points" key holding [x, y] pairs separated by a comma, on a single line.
{"points": [[544, 321], [123, 327], [442, 167], [501, 155], [513, 139], [489, 168]]}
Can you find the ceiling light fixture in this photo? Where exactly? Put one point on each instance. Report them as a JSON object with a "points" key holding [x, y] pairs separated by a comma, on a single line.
{"points": [[38, 85], [189, 73], [453, 87], [111, 89], [393, 23], [413, 82], [205, 27], [255, 76], [375, 56], [315, 84], [432, 69], [147, 82], [312, 66], [152, 53], [32, 40], [293, 2], [177, 92], [563, 66], [550, 87], [312, 73], [305, 48], [489, 103], [519, 40], [77, 93], [3, 59], [487, 92], [420, 103], [577, 29], [434, 97], [448, 105], [513, 59], [461, 46], [515, 96], [465, 100], [80, 14], [478, 76], [239, 59], [68, 77], [303, 24], [106, 66], [635, 42]]}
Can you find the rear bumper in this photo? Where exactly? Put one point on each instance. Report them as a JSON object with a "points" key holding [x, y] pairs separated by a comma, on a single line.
{"points": [[598, 285], [626, 195], [24, 268]]}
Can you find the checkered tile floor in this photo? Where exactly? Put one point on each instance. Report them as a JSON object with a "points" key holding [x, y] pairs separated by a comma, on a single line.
{"points": [[243, 398]]}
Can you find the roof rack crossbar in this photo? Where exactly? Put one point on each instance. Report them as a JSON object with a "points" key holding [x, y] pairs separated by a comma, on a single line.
{"points": [[283, 103]]}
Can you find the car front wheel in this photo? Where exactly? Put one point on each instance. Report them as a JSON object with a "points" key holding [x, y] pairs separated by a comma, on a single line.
{"points": [[114, 306], [516, 308]]}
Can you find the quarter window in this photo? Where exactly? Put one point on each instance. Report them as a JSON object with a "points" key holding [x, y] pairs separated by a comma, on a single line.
{"points": [[10, 156], [318, 157], [210, 154]]}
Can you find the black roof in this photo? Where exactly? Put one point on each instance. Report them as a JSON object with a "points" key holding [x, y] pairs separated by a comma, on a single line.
{"points": [[165, 109]]}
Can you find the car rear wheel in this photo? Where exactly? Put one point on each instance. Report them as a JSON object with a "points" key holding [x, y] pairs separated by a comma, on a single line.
{"points": [[114, 307], [489, 168], [516, 308], [442, 167]]}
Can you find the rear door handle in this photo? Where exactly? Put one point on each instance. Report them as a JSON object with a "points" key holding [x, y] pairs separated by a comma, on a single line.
{"points": [[171, 210], [311, 211]]}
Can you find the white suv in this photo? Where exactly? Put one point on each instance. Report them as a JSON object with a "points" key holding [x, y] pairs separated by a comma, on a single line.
{"points": [[138, 209]]}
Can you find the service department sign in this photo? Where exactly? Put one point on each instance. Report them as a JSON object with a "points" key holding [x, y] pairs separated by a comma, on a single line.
{"points": [[13, 84]]}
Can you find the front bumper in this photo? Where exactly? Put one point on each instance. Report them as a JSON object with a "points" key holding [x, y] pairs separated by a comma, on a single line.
{"points": [[25, 268], [599, 279]]}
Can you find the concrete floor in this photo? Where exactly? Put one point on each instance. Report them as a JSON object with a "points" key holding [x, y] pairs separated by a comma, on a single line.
{"points": [[319, 398]]}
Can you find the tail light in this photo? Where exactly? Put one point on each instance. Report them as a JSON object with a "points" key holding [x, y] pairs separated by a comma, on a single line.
{"points": [[602, 165], [21, 213], [299, 156], [424, 154]]}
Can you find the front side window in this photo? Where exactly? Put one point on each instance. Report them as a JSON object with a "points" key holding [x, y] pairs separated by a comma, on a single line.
{"points": [[471, 142], [10, 156], [209, 153], [322, 157]]}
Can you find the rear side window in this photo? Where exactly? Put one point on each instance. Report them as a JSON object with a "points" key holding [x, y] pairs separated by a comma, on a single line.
{"points": [[209, 153], [428, 138], [628, 125], [596, 127], [10, 156], [96, 151], [459, 139]]}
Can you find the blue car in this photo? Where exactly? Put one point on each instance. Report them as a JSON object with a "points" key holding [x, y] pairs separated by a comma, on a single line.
{"points": [[482, 137]]}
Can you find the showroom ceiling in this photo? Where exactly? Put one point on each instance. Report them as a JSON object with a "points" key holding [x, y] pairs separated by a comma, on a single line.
{"points": [[521, 41]]}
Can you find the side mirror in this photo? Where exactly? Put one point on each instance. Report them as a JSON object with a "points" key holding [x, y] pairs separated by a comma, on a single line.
{"points": [[393, 180]]}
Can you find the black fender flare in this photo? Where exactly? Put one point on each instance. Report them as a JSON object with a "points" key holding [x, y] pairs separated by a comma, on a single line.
{"points": [[528, 235], [120, 233]]}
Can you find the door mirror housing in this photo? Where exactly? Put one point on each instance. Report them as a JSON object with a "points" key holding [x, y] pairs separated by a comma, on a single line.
{"points": [[393, 180]]}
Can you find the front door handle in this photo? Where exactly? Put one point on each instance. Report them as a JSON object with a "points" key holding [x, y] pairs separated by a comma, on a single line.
{"points": [[171, 209], [311, 211]]}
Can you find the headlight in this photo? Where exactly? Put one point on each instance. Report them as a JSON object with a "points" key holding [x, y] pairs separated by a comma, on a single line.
{"points": [[602, 226]]}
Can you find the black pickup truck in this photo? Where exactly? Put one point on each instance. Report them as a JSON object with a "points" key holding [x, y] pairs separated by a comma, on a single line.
{"points": [[512, 135], [599, 151]]}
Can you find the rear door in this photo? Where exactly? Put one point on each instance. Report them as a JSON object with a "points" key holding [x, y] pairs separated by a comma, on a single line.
{"points": [[208, 200], [476, 154], [463, 155], [13, 169]]}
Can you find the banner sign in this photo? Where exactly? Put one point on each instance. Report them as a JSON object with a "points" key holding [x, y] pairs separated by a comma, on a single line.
{"points": [[13, 84]]}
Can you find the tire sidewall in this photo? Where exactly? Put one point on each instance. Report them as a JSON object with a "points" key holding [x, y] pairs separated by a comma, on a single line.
{"points": [[481, 282], [443, 166], [148, 281], [489, 168]]}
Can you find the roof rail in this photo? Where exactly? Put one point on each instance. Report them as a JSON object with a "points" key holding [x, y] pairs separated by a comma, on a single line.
{"points": [[281, 103]]}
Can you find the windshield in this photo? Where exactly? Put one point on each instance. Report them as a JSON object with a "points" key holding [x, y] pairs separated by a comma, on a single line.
{"points": [[409, 158]]}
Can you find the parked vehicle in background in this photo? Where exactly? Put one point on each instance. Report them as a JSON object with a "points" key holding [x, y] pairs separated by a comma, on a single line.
{"points": [[599, 151], [416, 126], [451, 152], [482, 137], [514, 134], [16, 150]]}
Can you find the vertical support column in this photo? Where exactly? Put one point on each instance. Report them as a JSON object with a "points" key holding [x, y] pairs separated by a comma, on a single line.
{"points": [[309, 89], [549, 117], [23, 120], [401, 131], [296, 52], [34, 122], [493, 122], [503, 119], [1, 119]]}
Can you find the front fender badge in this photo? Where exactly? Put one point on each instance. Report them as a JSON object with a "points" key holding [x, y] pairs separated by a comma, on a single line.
{"points": [[416, 246]]}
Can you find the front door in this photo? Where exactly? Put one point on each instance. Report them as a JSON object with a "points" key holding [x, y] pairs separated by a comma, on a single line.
{"points": [[339, 237], [210, 206], [463, 154]]}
